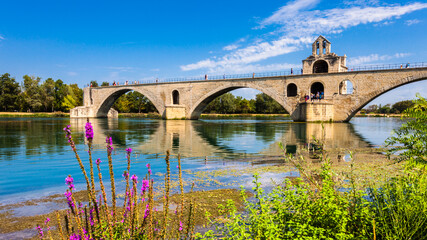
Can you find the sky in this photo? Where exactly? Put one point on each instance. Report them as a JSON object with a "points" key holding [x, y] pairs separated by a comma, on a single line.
{"points": [[79, 41]]}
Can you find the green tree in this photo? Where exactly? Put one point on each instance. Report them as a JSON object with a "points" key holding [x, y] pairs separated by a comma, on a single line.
{"points": [[32, 93], [94, 83], [61, 90], [104, 84], [73, 98], [9, 93], [48, 94], [401, 106], [410, 140], [266, 104]]}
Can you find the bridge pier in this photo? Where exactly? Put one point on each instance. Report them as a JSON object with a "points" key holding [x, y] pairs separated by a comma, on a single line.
{"points": [[91, 112], [174, 112], [314, 112]]}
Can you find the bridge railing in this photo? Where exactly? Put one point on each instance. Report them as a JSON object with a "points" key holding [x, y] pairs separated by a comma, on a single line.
{"points": [[255, 75]]}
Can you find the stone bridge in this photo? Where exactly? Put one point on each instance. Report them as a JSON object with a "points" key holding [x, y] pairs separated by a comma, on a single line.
{"points": [[344, 92], [187, 100]]}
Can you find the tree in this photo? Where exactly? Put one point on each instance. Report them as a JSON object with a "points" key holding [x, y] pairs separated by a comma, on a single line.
{"points": [[48, 94], [61, 91], [32, 93], [94, 83], [104, 84], [9, 93], [74, 97], [410, 140], [401, 106], [266, 104]]}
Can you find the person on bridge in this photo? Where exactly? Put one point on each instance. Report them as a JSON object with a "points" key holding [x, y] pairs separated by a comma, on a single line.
{"points": [[407, 65], [292, 71], [321, 95], [253, 75], [206, 77]]}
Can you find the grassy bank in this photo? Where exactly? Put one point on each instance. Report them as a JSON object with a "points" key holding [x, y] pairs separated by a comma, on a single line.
{"points": [[237, 116], [140, 115], [34, 115]]}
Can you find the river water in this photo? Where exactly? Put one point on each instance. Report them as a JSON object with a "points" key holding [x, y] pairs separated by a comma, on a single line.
{"points": [[35, 157]]}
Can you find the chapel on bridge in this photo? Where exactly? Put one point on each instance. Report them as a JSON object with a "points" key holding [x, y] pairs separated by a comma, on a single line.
{"points": [[322, 60]]}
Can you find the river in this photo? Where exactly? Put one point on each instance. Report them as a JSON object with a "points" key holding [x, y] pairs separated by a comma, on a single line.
{"points": [[35, 157]]}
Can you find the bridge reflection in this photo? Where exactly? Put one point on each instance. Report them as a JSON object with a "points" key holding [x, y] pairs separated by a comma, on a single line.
{"points": [[221, 139]]}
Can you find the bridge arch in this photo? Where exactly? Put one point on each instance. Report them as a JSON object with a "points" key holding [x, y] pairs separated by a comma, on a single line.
{"points": [[320, 66], [204, 100], [291, 90], [175, 97], [107, 102], [375, 94]]}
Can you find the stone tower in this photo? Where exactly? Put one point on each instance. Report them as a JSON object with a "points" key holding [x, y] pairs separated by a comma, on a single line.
{"points": [[322, 60]]}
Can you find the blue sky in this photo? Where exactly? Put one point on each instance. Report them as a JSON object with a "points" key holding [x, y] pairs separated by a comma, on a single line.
{"points": [[80, 41]]}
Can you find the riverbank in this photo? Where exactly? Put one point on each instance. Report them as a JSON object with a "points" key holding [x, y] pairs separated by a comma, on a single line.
{"points": [[158, 116], [34, 115]]}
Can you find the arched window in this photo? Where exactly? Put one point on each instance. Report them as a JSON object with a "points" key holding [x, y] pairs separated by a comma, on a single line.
{"points": [[292, 90], [320, 66], [317, 87], [175, 97], [346, 87]]}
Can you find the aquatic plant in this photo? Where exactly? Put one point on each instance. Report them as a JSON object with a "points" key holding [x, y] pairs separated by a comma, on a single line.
{"points": [[138, 219]]}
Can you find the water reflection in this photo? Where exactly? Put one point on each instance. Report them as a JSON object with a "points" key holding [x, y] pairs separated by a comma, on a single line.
{"points": [[37, 149], [225, 139]]}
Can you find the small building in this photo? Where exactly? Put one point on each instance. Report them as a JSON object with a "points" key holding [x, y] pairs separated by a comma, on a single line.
{"points": [[322, 60]]}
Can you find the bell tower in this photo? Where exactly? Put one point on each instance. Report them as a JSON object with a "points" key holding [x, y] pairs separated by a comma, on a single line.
{"points": [[322, 60]]}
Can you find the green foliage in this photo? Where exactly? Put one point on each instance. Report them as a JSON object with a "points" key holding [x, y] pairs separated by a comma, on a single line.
{"points": [[296, 210], [105, 84], [94, 83], [9, 92], [401, 106], [410, 141], [134, 102], [266, 104], [400, 207], [228, 104]]}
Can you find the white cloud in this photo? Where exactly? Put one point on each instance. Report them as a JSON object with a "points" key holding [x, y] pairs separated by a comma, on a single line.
{"points": [[1, 37], [375, 58], [72, 73], [230, 47], [412, 21], [296, 26]]}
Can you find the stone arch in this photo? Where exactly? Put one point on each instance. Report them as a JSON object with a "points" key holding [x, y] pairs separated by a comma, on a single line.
{"points": [[291, 90], [317, 87], [204, 100], [107, 102], [320, 66], [375, 94], [346, 87], [175, 97]]}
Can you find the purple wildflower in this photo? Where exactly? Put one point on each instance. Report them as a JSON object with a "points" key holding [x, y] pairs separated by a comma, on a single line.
{"points": [[91, 217], [129, 150], [47, 221], [98, 161], [109, 142], [70, 201], [180, 226], [69, 181], [145, 185], [89, 131], [68, 135], [147, 211], [125, 175], [40, 230], [134, 178]]}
